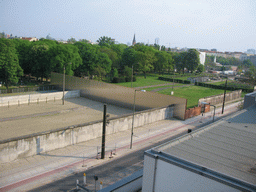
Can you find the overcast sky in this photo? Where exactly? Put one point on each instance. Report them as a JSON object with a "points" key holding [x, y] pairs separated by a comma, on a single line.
{"points": [[228, 25]]}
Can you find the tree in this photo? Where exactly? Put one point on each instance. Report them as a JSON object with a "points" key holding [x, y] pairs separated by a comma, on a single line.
{"points": [[128, 57], [103, 65], [65, 55], [200, 68], [161, 62], [105, 41], [144, 64], [247, 63], [170, 63], [23, 47], [40, 63], [89, 55], [251, 74], [71, 40], [10, 70], [180, 61], [192, 60]]}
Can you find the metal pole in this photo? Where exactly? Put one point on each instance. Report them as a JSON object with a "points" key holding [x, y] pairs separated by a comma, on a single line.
{"points": [[133, 118], [63, 84], [103, 133], [224, 97], [214, 113], [132, 76]]}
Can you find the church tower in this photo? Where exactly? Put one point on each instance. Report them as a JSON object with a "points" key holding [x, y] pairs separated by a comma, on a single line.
{"points": [[134, 41]]}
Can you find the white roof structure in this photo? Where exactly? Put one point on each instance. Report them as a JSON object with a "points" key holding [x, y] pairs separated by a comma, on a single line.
{"points": [[224, 151]]}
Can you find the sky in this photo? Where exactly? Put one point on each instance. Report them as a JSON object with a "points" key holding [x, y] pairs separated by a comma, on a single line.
{"points": [[227, 25]]}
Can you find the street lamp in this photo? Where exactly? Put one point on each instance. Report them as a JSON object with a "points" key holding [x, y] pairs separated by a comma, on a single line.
{"points": [[133, 114], [64, 84], [204, 103]]}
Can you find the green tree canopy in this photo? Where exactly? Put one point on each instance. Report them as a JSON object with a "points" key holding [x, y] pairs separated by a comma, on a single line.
{"points": [[105, 41], [10, 70], [192, 60], [89, 55], [65, 55]]}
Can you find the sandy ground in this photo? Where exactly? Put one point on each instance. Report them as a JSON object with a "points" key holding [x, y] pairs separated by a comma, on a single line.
{"points": [[27, 119]]}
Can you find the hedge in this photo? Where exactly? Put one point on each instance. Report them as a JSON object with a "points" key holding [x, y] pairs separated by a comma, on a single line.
{"points": [[175, 80], [246, 90]]}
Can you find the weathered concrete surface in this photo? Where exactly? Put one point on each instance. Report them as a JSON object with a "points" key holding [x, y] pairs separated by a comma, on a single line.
{"points": [[26, 119], [217, 99], [34, 98]]}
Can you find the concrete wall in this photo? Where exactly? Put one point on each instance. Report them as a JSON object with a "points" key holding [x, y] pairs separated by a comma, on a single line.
{"points": [[249, 99], [119, 95], [26, 146], [33, 98], [218, 99]]}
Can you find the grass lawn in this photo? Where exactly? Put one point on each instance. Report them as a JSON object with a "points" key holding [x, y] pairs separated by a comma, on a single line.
{"points": [[157, 87], [141, 81], [218, 83], [192, 93]]}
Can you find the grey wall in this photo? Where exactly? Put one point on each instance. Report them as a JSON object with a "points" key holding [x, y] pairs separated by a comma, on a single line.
{"points": [[26, 146], [217, 99], [40, 97], [121, 96], [249, 99]]}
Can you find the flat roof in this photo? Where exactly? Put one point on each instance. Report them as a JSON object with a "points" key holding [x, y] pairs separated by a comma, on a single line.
{"points": [[227, 147]]}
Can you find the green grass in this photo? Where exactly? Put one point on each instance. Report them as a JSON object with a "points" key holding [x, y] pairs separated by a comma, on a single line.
{"points": [[218, 83], [157, 87], [141, 81], [192, 93]]}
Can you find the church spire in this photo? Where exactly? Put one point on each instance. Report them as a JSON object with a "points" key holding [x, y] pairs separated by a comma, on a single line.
{"points": [[134, 41]]}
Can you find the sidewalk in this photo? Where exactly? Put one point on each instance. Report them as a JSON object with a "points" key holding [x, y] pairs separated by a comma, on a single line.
{"points": [[26, 174]]}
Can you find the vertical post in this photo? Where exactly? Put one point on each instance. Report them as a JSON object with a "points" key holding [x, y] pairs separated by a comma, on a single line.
{"points": [[84, 179], [132, 76], [77, 182], [103, 133], [100, 185], [224, 97], [214, 113], [8, 104], [63, 85], [46, 99], [133, 118]]}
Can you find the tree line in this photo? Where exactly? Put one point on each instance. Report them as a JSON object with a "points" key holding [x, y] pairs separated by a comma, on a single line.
{"points": [[80, 58]]}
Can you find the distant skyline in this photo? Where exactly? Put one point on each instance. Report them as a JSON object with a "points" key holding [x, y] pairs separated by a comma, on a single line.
{"points": [[225, 25]]}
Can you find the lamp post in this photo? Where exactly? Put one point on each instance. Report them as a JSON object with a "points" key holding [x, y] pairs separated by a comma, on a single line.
{"points": [[64, 84], [204, 103], [133, 114]]}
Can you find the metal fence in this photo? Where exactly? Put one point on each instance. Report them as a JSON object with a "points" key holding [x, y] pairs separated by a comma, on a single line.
{"points": [[28, 89]]}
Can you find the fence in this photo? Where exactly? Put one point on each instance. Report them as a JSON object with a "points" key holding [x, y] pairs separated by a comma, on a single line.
{"points": [[28, 89], [247, 90]]}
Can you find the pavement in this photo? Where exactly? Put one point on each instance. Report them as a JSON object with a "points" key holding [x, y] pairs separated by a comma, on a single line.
{"points": [[32, 172]]}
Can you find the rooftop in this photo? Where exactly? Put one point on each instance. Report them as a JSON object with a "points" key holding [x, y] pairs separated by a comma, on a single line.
{"points": [[226, 148]]}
